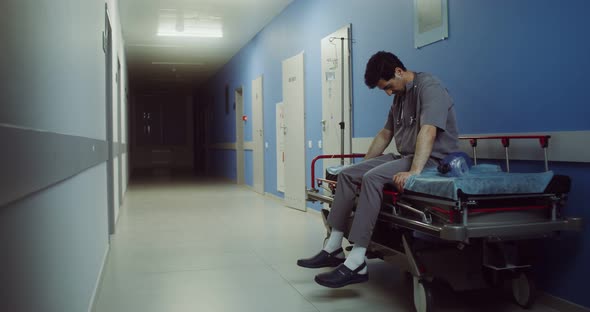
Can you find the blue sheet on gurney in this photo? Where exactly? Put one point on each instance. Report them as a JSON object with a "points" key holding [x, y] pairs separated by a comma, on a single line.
{"points": [[480, 180]]}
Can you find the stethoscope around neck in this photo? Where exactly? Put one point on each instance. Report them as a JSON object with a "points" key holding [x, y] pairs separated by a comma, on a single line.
{"points": [[400, 117]]}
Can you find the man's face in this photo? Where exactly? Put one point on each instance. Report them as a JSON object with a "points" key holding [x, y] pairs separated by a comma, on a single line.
{"points": [[391, 86]]}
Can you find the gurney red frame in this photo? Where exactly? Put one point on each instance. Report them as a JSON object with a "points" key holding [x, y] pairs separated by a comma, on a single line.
{"points": [[476, 233]]}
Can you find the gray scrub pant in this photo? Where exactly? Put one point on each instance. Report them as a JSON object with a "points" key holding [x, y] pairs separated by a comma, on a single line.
{"points": [[372, 175]]}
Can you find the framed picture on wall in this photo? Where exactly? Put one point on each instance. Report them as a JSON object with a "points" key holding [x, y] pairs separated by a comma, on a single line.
{"points": [[431, 22]]}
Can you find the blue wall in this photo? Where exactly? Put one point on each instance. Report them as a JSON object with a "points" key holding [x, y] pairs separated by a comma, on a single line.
{"points": [[224, 163], [512, 66], [561, 265]]}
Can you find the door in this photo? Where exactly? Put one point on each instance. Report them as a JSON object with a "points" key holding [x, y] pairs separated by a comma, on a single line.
{"points": [[280, 134], [109, 122], [294, 105], [119, 138], [336, 99], [239, 136], [258, 135]]}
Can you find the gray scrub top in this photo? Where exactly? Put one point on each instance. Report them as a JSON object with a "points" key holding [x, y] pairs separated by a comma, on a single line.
{"points": [[425, 102]]}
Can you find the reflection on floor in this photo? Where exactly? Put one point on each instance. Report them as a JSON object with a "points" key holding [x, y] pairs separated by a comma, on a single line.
{"points": [[186, 245]]}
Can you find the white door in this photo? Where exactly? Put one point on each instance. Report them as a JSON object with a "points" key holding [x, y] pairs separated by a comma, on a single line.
{"points": [[239, 137], [258, 135], [336, 103], [281, 132], [294, 104], [336, 100]]}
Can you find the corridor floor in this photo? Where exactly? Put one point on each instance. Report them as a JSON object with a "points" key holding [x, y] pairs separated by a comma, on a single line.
{"points": [[188, 246]]}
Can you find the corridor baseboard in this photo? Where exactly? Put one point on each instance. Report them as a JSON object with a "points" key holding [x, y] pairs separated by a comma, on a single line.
{"points": [[99, 279], [560, 304]]}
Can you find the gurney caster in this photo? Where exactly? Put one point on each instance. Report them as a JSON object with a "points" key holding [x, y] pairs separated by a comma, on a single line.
{"points": [[422, 295], [524, 290]]}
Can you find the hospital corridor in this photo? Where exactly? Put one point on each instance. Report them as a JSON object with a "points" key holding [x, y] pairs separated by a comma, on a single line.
{"points": [[294, 156], [190, 245]]}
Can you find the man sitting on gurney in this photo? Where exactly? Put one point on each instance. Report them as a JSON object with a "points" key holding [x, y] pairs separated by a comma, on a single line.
{"points": [[422, 121]]}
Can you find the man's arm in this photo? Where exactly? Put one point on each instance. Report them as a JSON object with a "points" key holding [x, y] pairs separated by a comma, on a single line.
{"points": [[424, 144], [380, 143]]}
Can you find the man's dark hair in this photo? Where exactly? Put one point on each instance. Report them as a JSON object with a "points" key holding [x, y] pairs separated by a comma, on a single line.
{"points": [[381, 66]]}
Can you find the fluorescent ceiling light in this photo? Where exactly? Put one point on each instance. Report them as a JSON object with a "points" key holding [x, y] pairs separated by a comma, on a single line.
{"points": [[177, 63], [203, 34], [180, 23], [142, 45]]}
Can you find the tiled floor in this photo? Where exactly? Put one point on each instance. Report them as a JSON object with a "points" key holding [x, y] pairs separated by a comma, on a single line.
{"points": [[183, 246]]}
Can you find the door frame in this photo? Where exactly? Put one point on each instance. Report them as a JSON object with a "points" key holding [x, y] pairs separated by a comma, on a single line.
{"points": [[239, 108]]}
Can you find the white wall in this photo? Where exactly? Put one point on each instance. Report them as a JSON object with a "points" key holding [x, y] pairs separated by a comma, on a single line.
{"points": [[53, 242]]}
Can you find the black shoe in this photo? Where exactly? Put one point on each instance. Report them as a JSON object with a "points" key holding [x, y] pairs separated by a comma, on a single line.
{"points": [[342, 276], [322, 260]]}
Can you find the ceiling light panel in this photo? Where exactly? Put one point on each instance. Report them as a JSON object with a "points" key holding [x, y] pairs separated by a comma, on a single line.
{"points": [[189, 23], [178, 63]]}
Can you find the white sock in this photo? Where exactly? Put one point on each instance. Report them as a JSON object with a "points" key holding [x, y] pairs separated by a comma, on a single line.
{"points": [[334, 242], [356, 258]]}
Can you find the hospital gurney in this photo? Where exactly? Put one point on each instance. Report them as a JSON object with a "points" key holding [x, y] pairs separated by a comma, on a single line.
{"points": [[469, 236]]}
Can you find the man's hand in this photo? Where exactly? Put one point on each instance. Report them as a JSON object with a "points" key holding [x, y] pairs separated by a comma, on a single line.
{"points": [[424, 143], [400, 178]]}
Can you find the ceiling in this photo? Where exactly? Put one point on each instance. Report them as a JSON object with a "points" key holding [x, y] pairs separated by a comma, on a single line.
{"points": [[157, 61]]}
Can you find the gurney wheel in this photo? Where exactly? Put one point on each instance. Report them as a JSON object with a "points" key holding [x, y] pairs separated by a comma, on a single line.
{"points": [[422, 296], [523, 290]]}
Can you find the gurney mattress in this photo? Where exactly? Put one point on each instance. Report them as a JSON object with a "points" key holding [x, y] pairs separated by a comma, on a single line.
{"points": [[480, 180]]}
